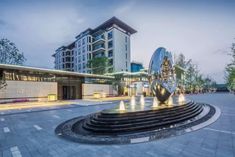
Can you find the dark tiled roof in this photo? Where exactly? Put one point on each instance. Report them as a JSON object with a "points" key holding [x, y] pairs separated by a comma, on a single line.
{"points": [[118, 22]]}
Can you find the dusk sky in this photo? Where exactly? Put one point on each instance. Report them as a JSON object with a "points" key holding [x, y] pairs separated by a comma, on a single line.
{"points": [[201, 30]]}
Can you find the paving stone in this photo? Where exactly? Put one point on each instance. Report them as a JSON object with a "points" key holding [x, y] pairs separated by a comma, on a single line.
{"points": [[35, 143]]}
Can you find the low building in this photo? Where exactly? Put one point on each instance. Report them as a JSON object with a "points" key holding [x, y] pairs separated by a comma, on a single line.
{"points": [[128, 83], [22, 83], [136, 66]]}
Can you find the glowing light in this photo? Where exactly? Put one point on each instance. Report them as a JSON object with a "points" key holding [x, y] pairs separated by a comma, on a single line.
{"points": [[97, 95], [142, 102], [122, 106], [52, 97], [133, 102], [155, 102], [163, 91], [170, 101], [158, 86], [181, 99]]}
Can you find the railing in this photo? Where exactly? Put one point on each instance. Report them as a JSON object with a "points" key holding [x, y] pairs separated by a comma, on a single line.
{"points": [[100, 37], [98, 47]]}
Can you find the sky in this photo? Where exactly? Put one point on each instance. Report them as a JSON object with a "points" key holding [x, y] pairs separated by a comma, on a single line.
{"points": [[203, 30]]}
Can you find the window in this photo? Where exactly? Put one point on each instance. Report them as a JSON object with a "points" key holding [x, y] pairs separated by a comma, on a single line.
{"points": [[83, 49], [126, 55], [126, 47], [67, 59], [111, 62], [110, 44], [84, 65], [79, 44], [83, 41], [83, 57], [89, 47], [110, 35], [126, 39], [89, 55], [110, 53]]}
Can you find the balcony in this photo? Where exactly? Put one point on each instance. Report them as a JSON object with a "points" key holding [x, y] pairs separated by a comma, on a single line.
{"points": [[98, 48], [97, 55], [98, 39]]}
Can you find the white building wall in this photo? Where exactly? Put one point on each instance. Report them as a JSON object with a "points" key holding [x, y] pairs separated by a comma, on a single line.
{"points": [[89, 89], [120, 42], [26, 89], [81, 53]]}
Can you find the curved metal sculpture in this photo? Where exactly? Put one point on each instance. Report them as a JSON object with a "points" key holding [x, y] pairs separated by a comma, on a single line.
{"points": [[162, 74]]}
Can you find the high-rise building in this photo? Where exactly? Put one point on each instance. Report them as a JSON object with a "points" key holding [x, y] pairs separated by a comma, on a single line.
{"points": [[111, 39]]}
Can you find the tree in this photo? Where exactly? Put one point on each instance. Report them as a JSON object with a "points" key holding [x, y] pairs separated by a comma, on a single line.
{"points": [[180, 61], [230, 70], [194, 81], [98, 65], [10, 54]]}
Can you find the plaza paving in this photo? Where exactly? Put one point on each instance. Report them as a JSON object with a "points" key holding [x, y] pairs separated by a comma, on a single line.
{"points": [[31, 134]]}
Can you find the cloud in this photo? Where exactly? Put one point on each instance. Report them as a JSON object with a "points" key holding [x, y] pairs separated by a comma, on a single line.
{"points": [[201, 31], [124, 8], [2, 23]]}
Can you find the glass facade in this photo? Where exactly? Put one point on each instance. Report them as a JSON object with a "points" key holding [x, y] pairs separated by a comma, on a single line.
{"points": [[135, 67]]}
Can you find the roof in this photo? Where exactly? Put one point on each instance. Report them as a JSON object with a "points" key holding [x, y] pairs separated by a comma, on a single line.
{"points": [[127, 73], [136, 62], [70, 46], [118, 22], [51, 71], [108, 24]]}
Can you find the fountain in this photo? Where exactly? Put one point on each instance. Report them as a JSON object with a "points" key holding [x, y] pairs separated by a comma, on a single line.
{"points": [[142, 102], [133, 102], [170, 101], [155, 102], [147, 121], [122, 106], [181, 99]]}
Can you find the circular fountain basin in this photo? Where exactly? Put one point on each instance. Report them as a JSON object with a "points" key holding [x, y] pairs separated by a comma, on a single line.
{"points": [[139, 124]]}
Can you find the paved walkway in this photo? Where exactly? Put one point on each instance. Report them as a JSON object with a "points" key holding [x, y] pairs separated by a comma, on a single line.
{"points": [[31, 134]]}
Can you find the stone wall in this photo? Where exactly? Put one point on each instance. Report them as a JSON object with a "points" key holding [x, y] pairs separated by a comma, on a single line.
{"points": [[26, 91], [88, 90]]}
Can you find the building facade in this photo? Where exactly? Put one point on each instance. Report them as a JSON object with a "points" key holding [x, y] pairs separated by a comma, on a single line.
{"points": [[136, 66], [21, 83], [111, 39]]}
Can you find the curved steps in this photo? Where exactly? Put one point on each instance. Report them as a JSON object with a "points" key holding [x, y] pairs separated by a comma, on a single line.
{"points": [[114, 123]]}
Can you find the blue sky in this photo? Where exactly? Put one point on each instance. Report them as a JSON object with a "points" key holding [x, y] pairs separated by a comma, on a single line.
{"points": [[202, 30]]}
